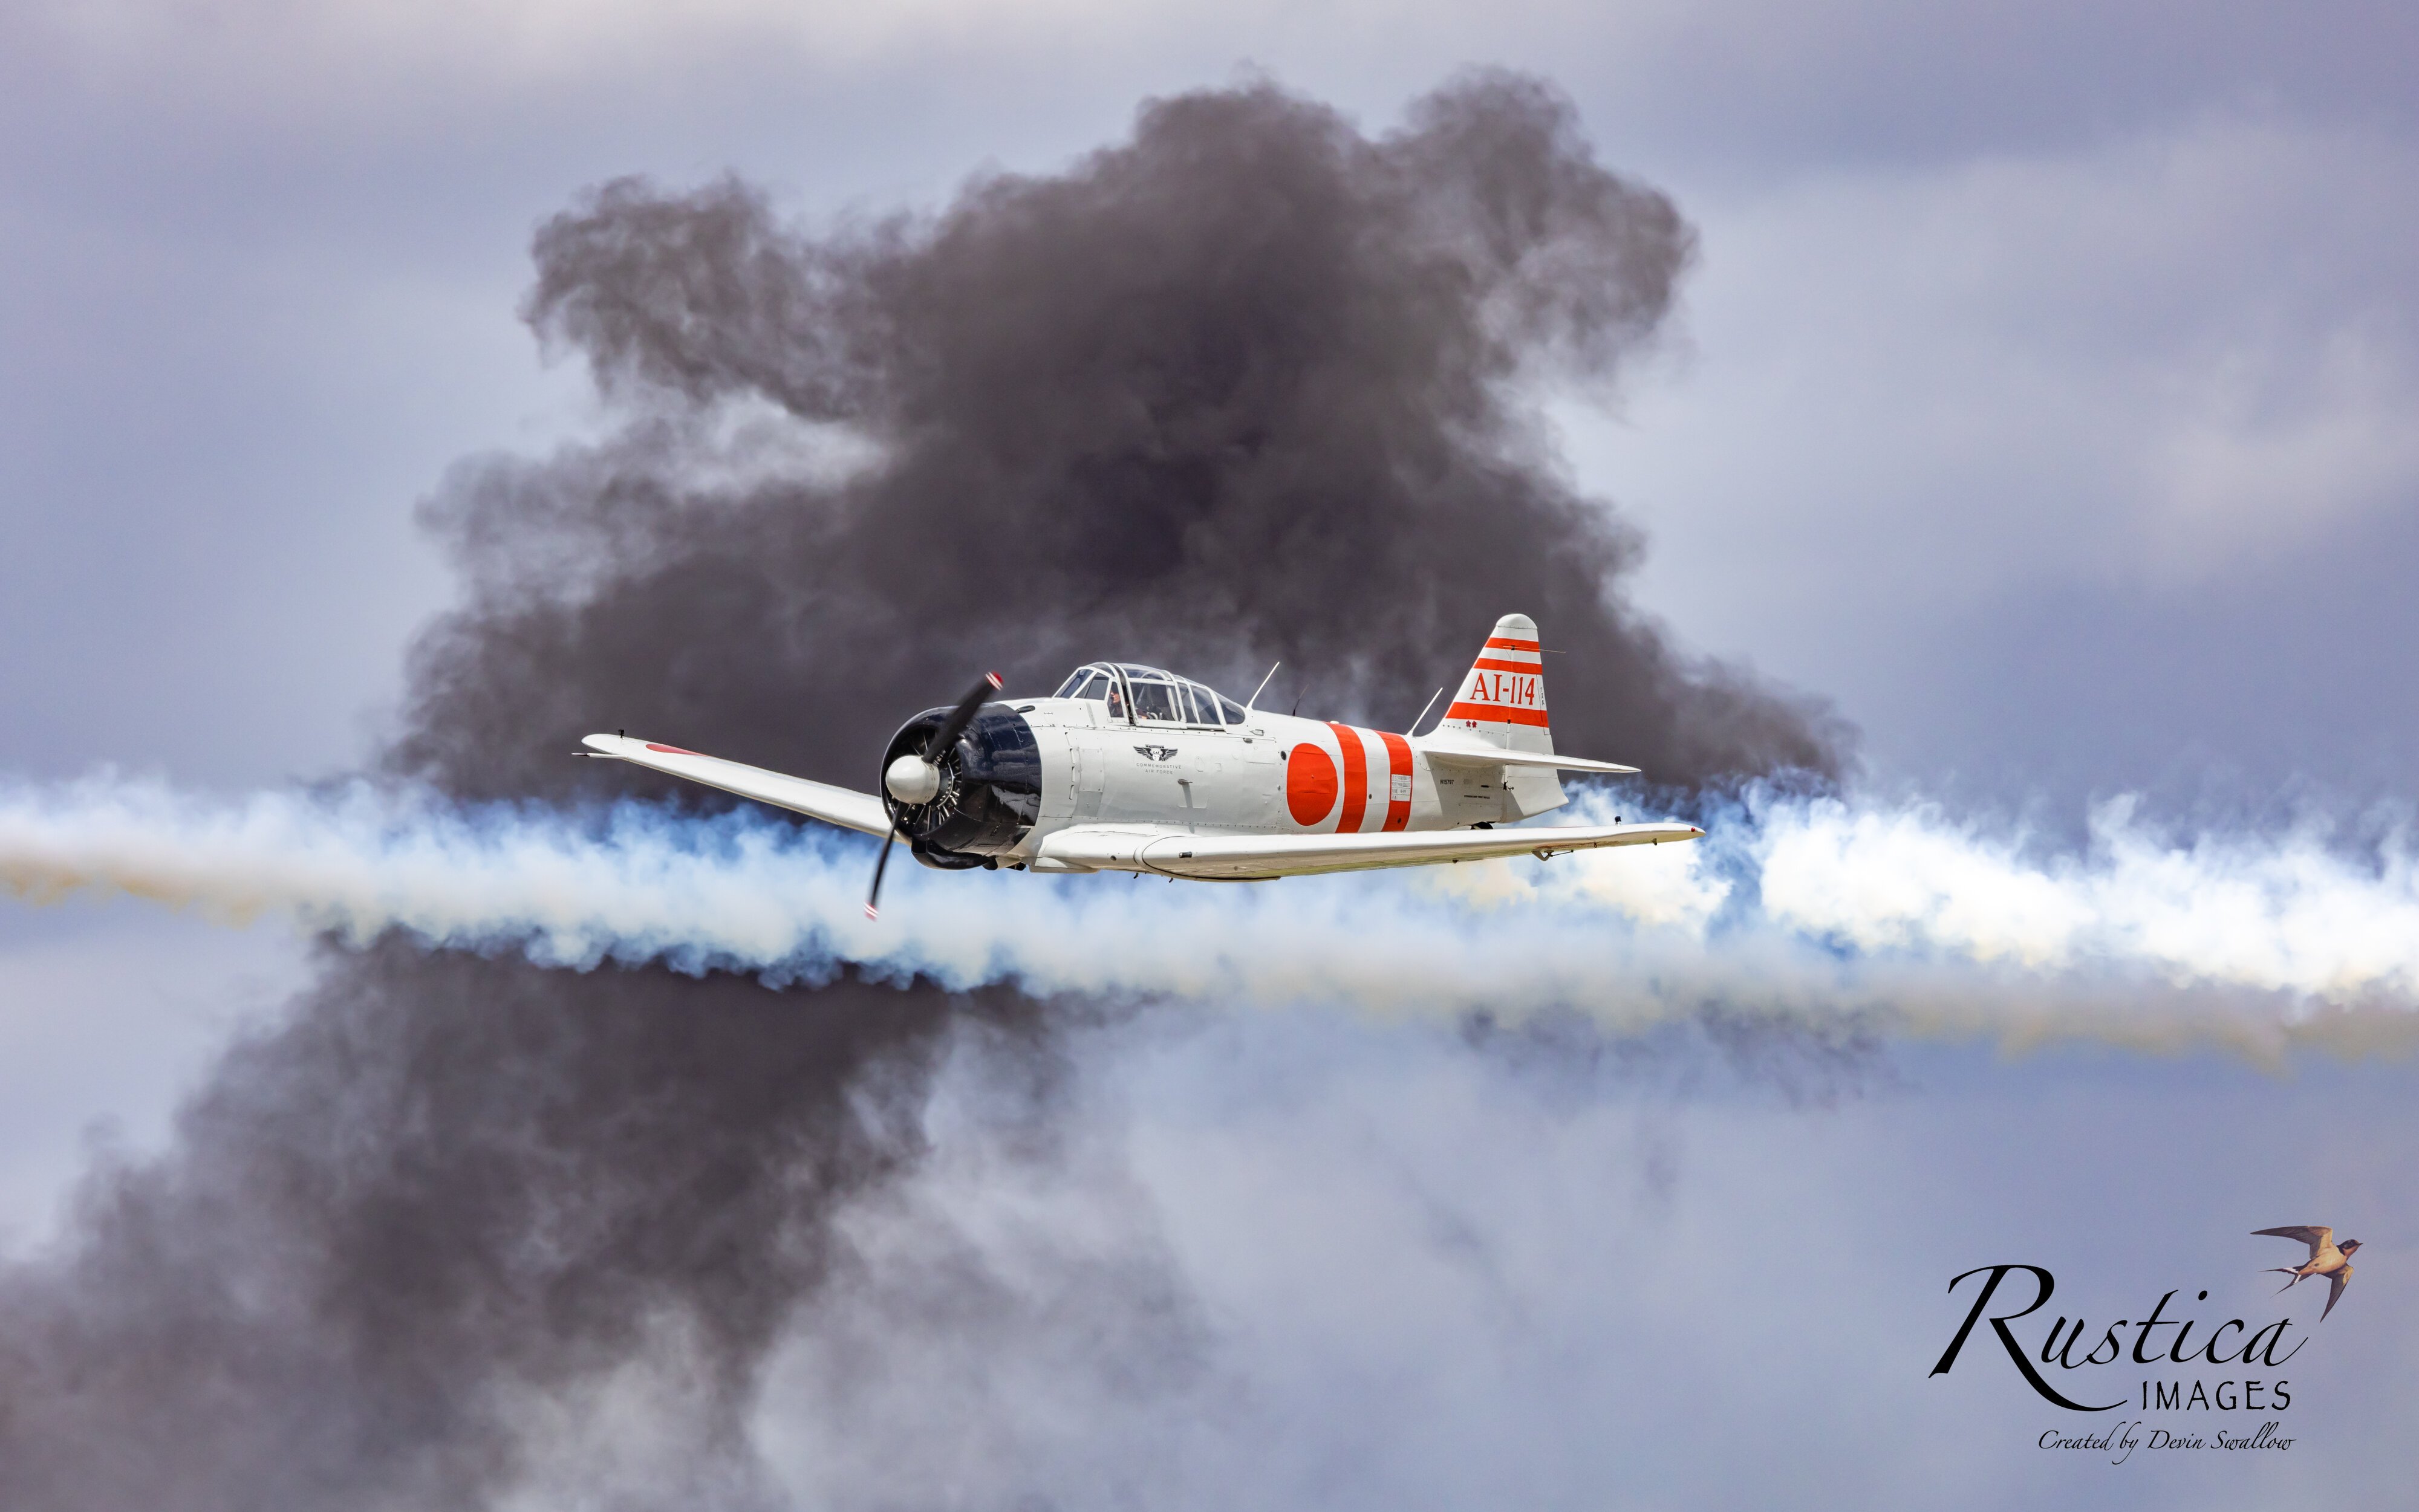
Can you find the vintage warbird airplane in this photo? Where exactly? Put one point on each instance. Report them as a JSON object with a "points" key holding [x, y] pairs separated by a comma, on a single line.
{"points": [[1131, 769]]}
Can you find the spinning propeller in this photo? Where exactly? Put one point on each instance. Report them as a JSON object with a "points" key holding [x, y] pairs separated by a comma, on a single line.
{"points": [[916, 778]]}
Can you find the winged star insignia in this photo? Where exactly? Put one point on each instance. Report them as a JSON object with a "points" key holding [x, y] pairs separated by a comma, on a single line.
{"points": [[1156, 752]]}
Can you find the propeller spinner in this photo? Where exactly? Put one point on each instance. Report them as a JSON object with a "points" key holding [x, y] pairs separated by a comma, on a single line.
{"points": [[915, 777]]}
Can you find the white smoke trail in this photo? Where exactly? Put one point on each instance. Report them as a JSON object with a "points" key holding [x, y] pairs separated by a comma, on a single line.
{"points": [[1793, 906], [2284, 913]]}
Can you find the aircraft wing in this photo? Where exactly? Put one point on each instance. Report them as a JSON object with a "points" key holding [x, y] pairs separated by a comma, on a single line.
{"points": [[1249, 857], [843, 806], [1475, 754]]}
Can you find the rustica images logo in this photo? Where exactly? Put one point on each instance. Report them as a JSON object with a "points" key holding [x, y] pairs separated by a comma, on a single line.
{"points": [[2172, 1372]]}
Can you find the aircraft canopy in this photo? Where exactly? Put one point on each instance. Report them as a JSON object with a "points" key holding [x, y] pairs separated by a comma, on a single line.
{"points": [[1153, 695]]}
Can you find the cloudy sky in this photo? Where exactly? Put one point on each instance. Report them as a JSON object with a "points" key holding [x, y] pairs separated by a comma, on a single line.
{"points": [[2043, 397]]}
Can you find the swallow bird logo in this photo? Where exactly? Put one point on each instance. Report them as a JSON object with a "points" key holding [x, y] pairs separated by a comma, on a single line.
{"points": [[1156, 752], [2327, 1259]]}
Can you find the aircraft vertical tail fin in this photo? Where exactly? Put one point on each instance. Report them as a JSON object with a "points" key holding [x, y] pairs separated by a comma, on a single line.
{"points": [[1502, 704], [1503, 697]]}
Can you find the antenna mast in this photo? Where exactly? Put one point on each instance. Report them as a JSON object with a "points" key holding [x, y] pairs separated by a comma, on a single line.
{"points": [[1261, 689]]}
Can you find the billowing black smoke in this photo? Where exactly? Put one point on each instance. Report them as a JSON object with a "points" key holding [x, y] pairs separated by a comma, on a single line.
{"points": [[1240, 391], [1245, 388]]}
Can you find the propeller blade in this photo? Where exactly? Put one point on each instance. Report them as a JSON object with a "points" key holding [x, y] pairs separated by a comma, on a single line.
{"points": [[960, 717], [874, 899]]}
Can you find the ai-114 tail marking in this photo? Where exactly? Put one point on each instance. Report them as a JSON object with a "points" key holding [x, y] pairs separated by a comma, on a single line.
{"points": [[1130, 767]]}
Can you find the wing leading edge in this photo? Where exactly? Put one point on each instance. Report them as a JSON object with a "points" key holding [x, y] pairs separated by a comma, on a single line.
{"points": [[1248, 857], [843, 806]]}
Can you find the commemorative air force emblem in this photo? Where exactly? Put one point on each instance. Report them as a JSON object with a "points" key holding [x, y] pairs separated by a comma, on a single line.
{"points": [[1156, 752]]}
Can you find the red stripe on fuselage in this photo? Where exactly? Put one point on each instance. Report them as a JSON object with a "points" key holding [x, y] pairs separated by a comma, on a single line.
{"points": [[1398, 764], [1356, 779]]}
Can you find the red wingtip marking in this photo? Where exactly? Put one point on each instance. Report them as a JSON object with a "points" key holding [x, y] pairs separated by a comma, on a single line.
{"points": [[669, 750]]}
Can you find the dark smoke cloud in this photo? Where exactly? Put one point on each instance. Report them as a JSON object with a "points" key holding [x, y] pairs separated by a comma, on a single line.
{"points": [[1244, 387], [449, 1179], [1241, 389]]}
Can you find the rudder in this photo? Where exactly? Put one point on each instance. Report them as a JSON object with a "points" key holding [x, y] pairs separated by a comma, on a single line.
{"points": [[1503, 697], [1502, 704]]}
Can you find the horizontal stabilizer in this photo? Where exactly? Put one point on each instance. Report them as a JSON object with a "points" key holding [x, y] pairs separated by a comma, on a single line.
{"points": [[1473, 753], [843, 806]]}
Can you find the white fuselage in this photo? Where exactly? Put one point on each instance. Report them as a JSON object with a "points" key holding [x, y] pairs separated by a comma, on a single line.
{"points": [[1272, 775], [1132, 768]]}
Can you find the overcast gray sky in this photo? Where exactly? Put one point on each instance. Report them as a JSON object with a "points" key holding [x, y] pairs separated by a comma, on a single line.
{"points": [[2077, 341], [2045, 397]]}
